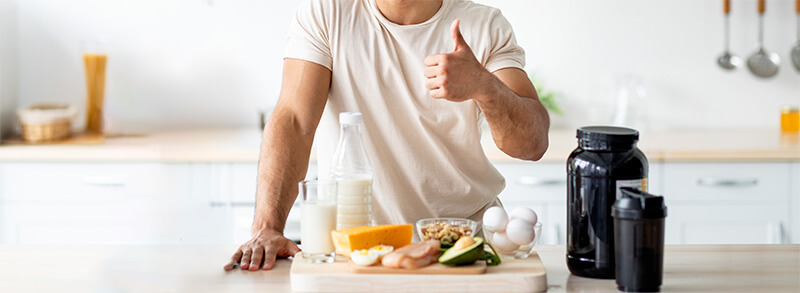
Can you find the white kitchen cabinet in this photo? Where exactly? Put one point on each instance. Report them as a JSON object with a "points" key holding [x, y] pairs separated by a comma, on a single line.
{"points": [[224, 195], [539, 186], [714, 203], [73, 203]]}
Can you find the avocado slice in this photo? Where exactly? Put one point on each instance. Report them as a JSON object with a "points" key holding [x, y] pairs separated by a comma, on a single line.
{"points": [[459, 256]]}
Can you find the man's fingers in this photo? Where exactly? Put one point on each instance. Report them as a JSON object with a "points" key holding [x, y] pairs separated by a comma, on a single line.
{"points": [[255, 261], [433, 83], [230, 266], [270, 253], [432, 71], [433, 60], [237, 256], [245, 262], [438, 93], [293, 249]]}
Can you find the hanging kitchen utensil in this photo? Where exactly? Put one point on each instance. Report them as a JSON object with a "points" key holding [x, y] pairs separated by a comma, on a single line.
{"points": [[796, 50], [762, 63], [728, 61]]}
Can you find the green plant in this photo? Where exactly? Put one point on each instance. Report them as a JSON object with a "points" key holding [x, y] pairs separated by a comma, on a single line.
{"points": [[548, 98]]}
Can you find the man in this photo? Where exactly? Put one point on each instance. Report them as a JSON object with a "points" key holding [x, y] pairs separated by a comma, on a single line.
{"points": [[422, 87]]}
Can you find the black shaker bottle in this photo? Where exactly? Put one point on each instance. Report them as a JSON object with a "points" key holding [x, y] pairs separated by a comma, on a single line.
{"points": [[606, 160], [639, 240]]}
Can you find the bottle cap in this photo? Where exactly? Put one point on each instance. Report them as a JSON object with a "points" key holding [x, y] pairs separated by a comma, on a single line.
{"points": [[607, 137], [635, 204], [350, 118]]}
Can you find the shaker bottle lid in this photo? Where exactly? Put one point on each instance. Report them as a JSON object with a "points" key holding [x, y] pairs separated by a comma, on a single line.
{"points": [[611, 134], [350, 117], [636, 204]]}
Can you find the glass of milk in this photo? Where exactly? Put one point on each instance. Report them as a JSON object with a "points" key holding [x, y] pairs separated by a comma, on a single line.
{"points": [[318, 210]]}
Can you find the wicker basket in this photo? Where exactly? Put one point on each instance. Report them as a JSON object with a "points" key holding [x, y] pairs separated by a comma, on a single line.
{"points": [[43, 123]]}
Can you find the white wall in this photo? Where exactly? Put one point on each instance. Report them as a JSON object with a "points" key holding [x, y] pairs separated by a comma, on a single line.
{"points": [[172, 63], [205, 63], [578, 47]]}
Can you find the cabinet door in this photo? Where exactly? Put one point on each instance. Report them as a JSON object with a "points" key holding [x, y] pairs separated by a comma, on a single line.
{"points": [[529, 181], [58, 203], [557, 224], [727, 224], [727, 202], [541, 187], [224, 198]]}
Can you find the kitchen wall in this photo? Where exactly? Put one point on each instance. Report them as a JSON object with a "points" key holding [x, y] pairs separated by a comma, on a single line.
{"points": [[216, 63]]}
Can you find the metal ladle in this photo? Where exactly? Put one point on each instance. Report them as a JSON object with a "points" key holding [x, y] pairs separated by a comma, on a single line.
{"points": [[727, 60], [762, 63], [796, 50]]}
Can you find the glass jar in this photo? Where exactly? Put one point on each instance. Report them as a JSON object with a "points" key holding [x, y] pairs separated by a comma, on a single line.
{"points": [[790, 119]]}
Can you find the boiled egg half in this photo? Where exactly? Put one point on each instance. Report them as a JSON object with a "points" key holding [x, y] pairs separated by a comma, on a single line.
{"points": [[364, 257]]}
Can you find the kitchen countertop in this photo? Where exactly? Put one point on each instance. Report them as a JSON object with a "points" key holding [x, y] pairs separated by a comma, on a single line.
{"points": [[189, 268], [242, 145]]}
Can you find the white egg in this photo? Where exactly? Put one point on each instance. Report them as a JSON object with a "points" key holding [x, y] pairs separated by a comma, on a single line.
{"points": [[495, 219], [524, 213], [381, 250], [520, 231], [364, 257], [502, 243]]}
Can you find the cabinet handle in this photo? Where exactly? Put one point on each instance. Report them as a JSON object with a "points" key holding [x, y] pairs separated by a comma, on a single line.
{"points": [[710, 181], [557, 234], [103, 181], [535, 181], [776, 233]]}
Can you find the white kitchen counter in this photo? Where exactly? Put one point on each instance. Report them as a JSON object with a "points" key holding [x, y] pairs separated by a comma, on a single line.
{"points": [[242, 145], [191, 268]]}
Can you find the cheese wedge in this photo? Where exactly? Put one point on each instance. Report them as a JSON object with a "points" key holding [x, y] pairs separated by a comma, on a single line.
{"points": [[364, 237]]}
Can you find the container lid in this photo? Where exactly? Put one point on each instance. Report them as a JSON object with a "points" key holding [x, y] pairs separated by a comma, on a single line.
{"points": [[636, 204], [350, 118], [606, 137], [790, 109]]}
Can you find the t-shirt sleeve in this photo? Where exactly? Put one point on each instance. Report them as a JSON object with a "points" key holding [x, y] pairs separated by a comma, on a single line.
{"points": [[505, 52], [309, 33]]}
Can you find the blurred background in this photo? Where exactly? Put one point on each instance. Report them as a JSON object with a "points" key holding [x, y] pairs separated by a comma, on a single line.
{"points": [[181, 64], [192, 78]]}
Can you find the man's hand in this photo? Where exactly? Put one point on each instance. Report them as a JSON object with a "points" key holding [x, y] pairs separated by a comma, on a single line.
{"points": [[264, 247], [456, 76]]}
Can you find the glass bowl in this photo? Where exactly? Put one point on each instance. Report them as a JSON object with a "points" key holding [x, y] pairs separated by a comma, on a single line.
{"points": [[523, 251], [432, 229]]}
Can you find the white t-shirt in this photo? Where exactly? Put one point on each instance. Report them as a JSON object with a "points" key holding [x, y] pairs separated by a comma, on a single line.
{"points": [[425, 153]]}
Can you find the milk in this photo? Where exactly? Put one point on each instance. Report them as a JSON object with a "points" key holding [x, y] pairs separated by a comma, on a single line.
{"points": [[354, 202], [318, 220]]}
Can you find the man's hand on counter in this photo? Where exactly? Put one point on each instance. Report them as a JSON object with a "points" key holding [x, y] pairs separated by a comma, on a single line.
{"points": [[264, 248]]}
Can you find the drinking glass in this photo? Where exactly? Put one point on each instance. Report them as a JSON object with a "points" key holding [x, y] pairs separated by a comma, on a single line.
{"points": [[318, 210]]}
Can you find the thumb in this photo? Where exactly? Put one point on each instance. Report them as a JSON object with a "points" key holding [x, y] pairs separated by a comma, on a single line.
{"points": [[458, 39], [293, 249]]}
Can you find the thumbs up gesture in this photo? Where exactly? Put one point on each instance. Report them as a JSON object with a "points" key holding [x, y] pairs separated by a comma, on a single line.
{"points": [[456, 76]]}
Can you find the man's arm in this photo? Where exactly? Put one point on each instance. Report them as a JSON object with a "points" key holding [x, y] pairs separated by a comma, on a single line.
{"points": [[507, 98], [283, 161], [518, 120]]}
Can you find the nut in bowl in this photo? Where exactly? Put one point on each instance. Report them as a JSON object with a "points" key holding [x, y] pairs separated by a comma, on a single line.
{"points": [[516, 242], [446, 229]]}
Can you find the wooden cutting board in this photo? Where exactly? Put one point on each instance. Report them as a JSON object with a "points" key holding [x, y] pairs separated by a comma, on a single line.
{"points": [[523, 275], [479, 267]]}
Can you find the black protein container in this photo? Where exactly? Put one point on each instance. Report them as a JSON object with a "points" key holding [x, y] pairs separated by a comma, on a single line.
{"points": [[606, 160], [639, 239]]}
